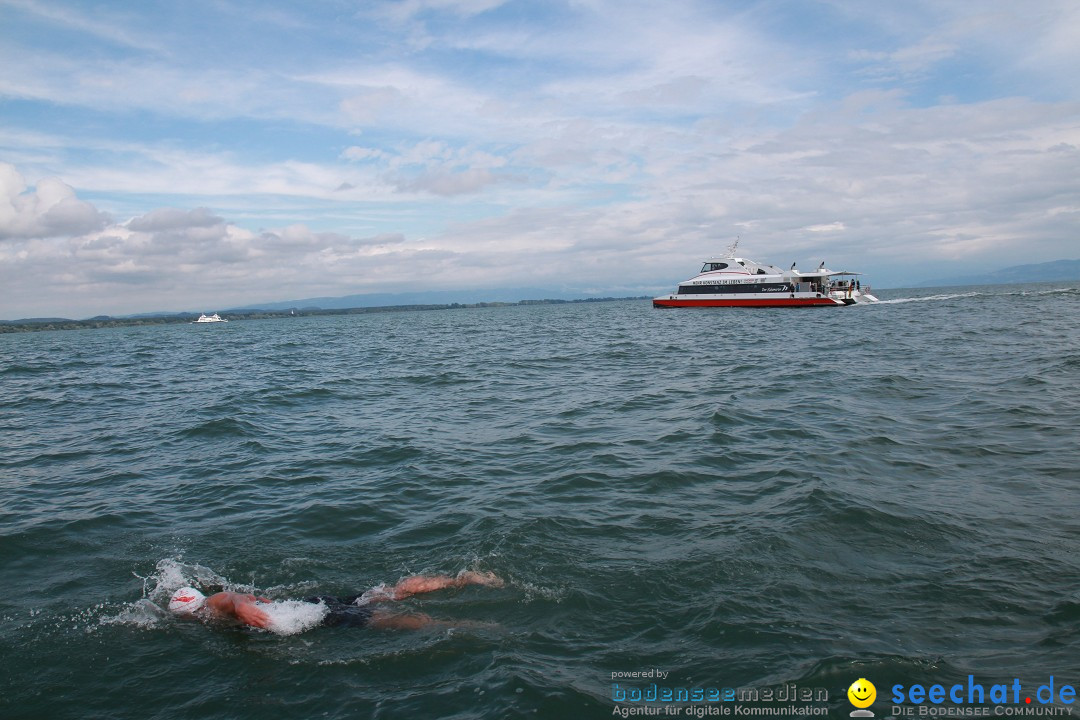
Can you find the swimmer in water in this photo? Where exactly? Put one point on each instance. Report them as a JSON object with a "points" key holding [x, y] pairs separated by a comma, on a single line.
{"points": [[350, 611]]}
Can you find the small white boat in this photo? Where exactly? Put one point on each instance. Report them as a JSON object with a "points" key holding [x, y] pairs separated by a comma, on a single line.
{"points": [[731, 281], [209, 319]]}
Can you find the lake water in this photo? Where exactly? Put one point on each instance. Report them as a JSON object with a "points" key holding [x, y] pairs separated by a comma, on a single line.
{"points": [[737, 498]]}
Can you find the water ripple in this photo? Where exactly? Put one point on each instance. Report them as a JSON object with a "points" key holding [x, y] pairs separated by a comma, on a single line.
{"points": [[738, 498]]}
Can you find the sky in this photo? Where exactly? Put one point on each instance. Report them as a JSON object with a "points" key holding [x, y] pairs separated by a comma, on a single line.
{"points": [[194, 156]]}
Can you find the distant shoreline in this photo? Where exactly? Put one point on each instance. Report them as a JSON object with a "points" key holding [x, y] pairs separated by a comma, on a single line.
{"points": [[105, 321]]}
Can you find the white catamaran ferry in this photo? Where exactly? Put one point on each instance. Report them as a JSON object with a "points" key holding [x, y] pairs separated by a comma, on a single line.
{"points": [[731, 281]]}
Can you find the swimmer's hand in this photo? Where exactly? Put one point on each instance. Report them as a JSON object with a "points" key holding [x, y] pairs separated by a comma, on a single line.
{"points": [[472, 577], [251, 614]]}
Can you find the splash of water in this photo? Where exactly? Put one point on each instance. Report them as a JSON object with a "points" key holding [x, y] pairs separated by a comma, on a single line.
{"points": [[141, 613], [170, 574], [289, 617]]}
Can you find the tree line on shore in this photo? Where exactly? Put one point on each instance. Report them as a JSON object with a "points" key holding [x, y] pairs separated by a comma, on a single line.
{"points": [[105, 321]]}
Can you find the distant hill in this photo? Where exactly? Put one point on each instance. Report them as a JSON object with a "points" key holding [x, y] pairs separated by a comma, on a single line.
{"points": [[446, 297], [1042, 272]]}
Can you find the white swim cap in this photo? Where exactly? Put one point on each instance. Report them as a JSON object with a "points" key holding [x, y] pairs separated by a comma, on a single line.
{"points": [[186, 600]]}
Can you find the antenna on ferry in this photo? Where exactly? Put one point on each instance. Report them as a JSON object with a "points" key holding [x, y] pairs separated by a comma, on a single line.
{"points": [[821, 266], [731, 250], [792, 266]]}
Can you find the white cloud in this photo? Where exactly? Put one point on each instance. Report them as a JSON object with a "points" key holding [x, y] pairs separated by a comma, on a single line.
{"points": [[907, 61], [827, 228], [174, 259], [164, 219], [449, 182], [360, 154], [110, 30], [404, 10], [50, 210]]}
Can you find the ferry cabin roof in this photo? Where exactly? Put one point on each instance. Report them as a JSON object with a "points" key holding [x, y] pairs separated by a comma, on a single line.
{"points": [[742, 266], [739, 266]]}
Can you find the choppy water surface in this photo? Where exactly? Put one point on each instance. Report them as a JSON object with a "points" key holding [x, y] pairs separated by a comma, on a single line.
{"points": [[737, 497]]}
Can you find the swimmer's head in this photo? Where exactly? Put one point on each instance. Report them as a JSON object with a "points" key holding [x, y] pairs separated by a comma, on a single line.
{"points": [[186, 600]]}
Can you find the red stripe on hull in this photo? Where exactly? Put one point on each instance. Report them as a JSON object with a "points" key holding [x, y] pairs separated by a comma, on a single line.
{"points": [[764, 302]]}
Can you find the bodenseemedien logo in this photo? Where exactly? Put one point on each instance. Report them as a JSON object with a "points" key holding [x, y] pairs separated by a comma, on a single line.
{"points": [[861, 694]]}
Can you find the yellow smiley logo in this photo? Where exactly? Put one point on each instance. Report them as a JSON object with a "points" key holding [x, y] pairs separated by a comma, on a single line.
{"points": [[862, 693]]}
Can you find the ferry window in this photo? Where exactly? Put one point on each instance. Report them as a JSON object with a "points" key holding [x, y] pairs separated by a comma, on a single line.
{"points": [[708, 267]]}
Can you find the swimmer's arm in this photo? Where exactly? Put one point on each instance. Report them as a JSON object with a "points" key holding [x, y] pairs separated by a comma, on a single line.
{"points": [[240, 607]]}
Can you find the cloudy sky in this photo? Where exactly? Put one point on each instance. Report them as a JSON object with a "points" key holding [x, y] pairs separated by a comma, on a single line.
{"points": [[205, 154]]}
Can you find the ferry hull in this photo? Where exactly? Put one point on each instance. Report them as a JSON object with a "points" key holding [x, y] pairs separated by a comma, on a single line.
{"points": [[672, 301]]}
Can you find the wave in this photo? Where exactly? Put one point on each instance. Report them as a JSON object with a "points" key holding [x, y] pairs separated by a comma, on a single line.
{"points": [[1053, 291], [221, 428], [928, 298], [1002, 291], [28, 370]]}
